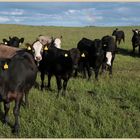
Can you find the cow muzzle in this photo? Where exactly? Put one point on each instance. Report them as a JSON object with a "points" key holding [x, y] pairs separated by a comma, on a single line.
{"points": [[38, 58], [75, 66]]}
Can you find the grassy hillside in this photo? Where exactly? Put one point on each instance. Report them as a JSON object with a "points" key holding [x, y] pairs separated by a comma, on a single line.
{"points": [[107, 108]]}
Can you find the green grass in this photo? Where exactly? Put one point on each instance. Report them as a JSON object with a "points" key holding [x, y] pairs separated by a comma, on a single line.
{"points": [[109, 108]]}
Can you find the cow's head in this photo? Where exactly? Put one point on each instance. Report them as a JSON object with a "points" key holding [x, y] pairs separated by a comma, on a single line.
{"points": [[114, 32], [136, 36], [44, 39], [14, 41], [75, 56], [105, 42], [98, 47], [136, 31], [57, 42], [36, 49]]}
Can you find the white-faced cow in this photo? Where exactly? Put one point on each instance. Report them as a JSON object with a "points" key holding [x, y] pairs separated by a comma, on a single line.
{"points": [[136, 40], [45, 40], [109, 47]]}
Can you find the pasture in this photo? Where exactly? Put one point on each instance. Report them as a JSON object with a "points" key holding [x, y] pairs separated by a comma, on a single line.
{"points": [[109, 108]]}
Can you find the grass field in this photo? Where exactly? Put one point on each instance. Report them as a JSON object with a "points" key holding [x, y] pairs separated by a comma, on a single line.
{"points": [[109, 108]]}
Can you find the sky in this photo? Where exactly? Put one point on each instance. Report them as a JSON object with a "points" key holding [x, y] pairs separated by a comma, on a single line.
{"points": [[78, 14]]}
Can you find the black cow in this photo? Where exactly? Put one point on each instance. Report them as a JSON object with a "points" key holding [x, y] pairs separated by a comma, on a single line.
{"points": [[17, 77], [109, 47], [59, 63], [55, 61], [136, 40], [119, 35], [91, 55], [14, 41]]}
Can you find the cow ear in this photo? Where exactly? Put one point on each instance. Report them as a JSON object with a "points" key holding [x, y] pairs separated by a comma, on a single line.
{"points": [[5, 41], [28, 45], [40, 35], [133, 30], [22, 40], [10, 37], [52, 40]]}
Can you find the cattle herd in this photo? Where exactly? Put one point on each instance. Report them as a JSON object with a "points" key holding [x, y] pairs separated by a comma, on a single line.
{"points": [[19, 66]]}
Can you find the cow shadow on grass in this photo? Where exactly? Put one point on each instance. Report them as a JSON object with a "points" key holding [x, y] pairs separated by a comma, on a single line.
{"points": [[127, 52]]}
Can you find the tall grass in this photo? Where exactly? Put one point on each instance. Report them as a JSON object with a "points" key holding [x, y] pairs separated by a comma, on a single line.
{"points": [[109, 108]]}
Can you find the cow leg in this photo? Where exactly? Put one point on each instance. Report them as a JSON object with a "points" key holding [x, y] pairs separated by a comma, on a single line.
{"points": [[36, 85], [88, 71], [49, 81], [84, 72], [103, 67], [96, 73], [134, 48], [42, 80], [119, 41], [26, 99], [6, 109], [25, 102], [59, 84], [64, 86], [16, 111], [110, 67], [116, 40], [75, 72]]}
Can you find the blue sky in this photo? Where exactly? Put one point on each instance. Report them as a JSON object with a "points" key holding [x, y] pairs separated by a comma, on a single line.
{"points": [[70, 13]]}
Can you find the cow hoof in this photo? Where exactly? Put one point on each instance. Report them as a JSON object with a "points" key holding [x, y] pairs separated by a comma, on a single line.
{"points": [[63, 94], [57, 96], [5, 121], [97, 79], [25, 104], [110, 75], [42, 89], [15, 131], [48, 88]]}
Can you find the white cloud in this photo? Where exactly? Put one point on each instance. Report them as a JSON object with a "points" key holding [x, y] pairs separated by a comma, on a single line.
{"points": [[130, 19], [15, 12], [122, 9], [90, 15], [72, 11], [4, 19]]}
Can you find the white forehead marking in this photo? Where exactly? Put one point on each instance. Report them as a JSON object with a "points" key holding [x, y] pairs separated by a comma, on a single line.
{"points": [[37, 46], [109, 57], [136, 31], [57, 43]]}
